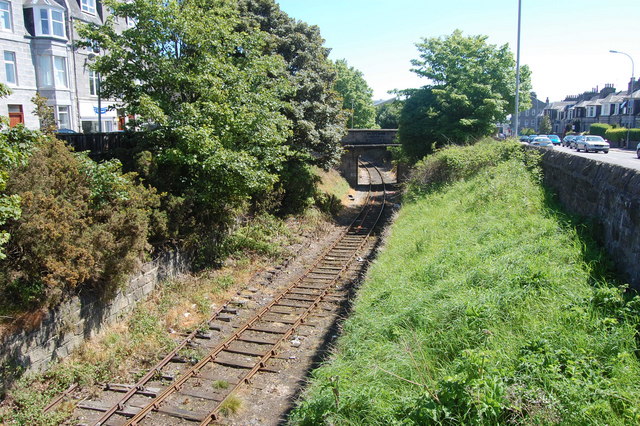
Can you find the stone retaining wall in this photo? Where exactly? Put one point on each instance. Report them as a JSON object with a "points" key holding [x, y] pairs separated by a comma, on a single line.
{"points": [[607, 194], [81, 317]]}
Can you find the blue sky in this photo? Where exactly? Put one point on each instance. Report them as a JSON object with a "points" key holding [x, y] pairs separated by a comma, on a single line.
{"points": [[565, 42]]}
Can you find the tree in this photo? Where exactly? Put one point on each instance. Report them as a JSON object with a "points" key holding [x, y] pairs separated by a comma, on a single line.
{"points": [[214, 100], [314, 107], [388, 114], [472, 86], [356, 96], [545, 125]]}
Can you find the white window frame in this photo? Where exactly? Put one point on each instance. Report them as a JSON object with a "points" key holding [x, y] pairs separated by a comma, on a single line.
{"points": [[93, 83], [60, 74], [46, 14], [88, 6], [5, 16], [50, 73], [10, 64], [61, 111]]}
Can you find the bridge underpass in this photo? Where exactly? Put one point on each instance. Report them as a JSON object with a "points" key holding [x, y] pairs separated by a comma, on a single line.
{"points": [[368, 144]]}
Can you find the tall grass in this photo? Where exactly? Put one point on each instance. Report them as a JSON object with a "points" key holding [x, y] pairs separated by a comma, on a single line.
{"points": [[483, 308]]}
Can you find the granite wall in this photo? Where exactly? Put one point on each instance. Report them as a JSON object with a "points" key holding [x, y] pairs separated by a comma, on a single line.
{"points": [[65, 327]]}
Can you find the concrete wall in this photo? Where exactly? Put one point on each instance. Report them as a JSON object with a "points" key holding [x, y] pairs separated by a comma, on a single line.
{"points": [[606, 193], [81, 317]]}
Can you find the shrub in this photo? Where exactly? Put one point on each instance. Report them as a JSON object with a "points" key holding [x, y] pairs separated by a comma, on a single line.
{"points": [[620, 134], [82, 222], [599, 129]]}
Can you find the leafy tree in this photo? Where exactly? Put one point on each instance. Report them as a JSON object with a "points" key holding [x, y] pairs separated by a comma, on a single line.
{"points": [[314, 107], [472, 86], [45, 113], [388, 114], [356, 96], [545, 125], [212, 96]]}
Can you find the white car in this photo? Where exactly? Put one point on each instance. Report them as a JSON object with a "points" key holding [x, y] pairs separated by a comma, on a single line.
{"points": [[592, 143]]}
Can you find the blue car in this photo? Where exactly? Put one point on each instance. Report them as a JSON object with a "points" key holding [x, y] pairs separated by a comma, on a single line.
{"points": [[555, 139]]}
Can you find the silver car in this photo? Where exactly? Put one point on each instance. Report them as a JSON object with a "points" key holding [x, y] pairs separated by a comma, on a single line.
{"points": [[638, 150], [542, 142], [592, 143]]}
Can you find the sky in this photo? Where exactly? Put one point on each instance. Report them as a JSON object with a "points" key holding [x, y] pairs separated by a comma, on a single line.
{"points": [[566, 43]]}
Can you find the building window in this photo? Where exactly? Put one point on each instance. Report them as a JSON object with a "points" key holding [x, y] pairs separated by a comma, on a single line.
{"points": [[93, 83], [16, 116], [64, 121], [51, 23], [89, 6], [52, 71], [11, 71], [131, 22], [5, 16], [60, 68]]}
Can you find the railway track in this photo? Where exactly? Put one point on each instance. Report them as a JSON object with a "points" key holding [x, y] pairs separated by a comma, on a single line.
{"points": [[180, 389]]}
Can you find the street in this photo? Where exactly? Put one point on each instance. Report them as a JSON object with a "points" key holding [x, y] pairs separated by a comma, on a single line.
{"points": [[621, 157]]}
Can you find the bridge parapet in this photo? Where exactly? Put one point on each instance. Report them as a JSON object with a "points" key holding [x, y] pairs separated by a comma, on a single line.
{"points": [[370, 137]]}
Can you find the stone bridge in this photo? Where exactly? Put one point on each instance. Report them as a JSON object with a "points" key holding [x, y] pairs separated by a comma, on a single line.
{"points": [[370, 144]]}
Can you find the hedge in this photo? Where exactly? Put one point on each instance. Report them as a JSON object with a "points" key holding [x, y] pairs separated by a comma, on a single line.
{"points": [[620, 134], [599, 129]]}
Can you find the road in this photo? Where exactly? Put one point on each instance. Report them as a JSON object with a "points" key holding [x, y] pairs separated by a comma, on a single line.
{"points": [[617, 156]]}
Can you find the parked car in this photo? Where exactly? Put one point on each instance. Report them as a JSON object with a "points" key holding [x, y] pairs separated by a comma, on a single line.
{"points": [[542, 142], [524, 138], [567, 140], [66, 131], [575, 141], [592, 143], [555, 139], [532, 137], [638, 150]]}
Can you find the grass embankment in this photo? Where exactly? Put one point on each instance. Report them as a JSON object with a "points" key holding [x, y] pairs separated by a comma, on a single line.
{"points": [[486, 306], [122, 352]]}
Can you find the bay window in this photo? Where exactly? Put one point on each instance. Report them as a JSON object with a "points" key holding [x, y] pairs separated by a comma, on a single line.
{"points": [[52, 71], [49, 22], [64, 121]]}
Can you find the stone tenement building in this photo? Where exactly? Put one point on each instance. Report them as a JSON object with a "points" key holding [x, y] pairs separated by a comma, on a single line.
{"points": [[37, 39], [577, 113]]}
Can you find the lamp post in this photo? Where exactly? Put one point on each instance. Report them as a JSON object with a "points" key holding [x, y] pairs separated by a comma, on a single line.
{"points": [[632, 117], [515, 121]]}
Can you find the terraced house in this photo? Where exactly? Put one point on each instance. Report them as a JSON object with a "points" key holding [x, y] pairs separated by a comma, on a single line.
{"points": [[37, 43]]}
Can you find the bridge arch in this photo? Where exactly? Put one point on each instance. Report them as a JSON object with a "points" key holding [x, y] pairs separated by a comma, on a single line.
{"points": [[370, 144]]}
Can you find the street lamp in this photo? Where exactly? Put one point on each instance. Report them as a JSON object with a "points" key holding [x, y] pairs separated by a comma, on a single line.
{"points": [[515, 121], [632, 117]]}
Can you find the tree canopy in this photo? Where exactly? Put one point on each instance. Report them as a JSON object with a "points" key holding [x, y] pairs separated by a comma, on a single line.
{"points": [[471, 87], [388, 114], [357, 96]]}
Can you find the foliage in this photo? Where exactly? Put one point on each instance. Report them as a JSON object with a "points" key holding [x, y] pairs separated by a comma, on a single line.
{"points": [[45, 113], [527, 131], [15, 145], [472, 86], [217, 101], [599, 129], [388, 114], [620, 134], [487, 306], [314, 108], [356, 96], [545, 125], [81, 222]]}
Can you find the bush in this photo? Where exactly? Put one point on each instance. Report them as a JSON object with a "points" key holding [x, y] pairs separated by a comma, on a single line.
{"points": [[599, 129], [82, 222], [620, 134]]}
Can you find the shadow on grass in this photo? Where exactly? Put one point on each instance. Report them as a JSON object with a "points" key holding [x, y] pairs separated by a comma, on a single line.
{"points": [[590, 233]]}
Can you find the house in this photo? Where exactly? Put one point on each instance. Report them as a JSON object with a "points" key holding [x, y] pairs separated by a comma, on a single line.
{"points": [[531, 117], [38, 44]]}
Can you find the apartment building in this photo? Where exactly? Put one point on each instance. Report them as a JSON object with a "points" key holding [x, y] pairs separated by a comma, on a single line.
{"points": [[39, 53]]}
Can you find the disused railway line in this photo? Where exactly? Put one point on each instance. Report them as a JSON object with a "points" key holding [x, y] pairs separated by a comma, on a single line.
{"points": [[199, 392]]}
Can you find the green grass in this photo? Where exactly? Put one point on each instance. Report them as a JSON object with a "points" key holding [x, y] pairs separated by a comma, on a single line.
{"points": [[486, 306]]}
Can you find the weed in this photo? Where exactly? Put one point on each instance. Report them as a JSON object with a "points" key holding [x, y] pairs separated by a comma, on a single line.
{"points": [[231, 405], [220, 384]]}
